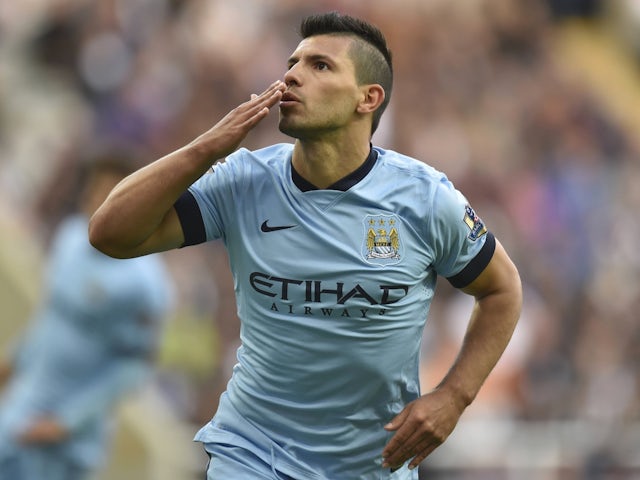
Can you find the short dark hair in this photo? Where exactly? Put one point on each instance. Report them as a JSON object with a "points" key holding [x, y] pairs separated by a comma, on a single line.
{"points": [[370, 54]]}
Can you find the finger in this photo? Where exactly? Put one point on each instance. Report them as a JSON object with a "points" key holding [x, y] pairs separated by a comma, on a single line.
{"points": [[266, 99], [398, 420], [249, 113], [273, 95], [416, 448], [417, 460], [400, 455], [398, 439], [271, 90], [397, 451], [408, 441]]}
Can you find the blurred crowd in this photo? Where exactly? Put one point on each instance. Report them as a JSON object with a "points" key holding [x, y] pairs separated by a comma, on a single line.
{"points": [[479, 94]]}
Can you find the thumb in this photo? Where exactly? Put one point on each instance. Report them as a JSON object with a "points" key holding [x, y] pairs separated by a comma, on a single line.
{"points": [[397, 421]]}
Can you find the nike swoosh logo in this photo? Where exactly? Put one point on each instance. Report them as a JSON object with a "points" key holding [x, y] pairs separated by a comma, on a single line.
{"points": [[267, 228]]}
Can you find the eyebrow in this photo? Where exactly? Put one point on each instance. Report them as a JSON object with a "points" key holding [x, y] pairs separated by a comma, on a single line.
{"points": [[312, 58]]}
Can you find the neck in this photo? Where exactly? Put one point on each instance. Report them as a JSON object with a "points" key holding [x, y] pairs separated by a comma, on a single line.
{"points": [[323, 163]]}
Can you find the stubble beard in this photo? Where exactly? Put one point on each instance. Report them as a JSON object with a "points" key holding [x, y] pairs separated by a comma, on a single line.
{"points": [[291, 128], [301, 130]]}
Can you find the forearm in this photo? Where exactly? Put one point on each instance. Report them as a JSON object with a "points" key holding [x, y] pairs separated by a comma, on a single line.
{"points": [[498, 295], [139, 205], [428, 421], [491, 326], [138, 216]]}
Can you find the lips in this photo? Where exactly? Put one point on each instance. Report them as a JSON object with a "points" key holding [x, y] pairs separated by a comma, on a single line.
{"points": [[288, 97]]}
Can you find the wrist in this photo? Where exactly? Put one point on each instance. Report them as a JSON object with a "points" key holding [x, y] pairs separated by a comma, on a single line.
{"points": [[200, 152], [458, 393]]}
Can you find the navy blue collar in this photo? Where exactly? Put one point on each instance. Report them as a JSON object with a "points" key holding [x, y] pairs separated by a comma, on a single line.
{"points": [[344, 183]]}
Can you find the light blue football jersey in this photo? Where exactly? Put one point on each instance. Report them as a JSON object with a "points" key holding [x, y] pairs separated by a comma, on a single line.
{"points": [[333, 290], [89, 342]]}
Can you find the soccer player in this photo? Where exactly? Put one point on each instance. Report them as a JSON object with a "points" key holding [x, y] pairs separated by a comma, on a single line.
{"points": [[335, 246], [91, 341]]}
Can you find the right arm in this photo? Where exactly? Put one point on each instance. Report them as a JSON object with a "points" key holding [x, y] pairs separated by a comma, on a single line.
{"points": [[94, 400], [138, 217]]}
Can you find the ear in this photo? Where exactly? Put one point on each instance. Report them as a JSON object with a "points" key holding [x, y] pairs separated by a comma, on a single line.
{"points": [[372, 97]]}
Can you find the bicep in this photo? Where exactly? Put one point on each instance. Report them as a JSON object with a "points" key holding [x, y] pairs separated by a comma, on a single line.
{"points": [[500, 275], [167, 236]]}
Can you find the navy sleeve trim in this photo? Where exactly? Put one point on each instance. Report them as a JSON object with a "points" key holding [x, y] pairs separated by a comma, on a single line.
{"points": [[476, 265], [190, 219]]}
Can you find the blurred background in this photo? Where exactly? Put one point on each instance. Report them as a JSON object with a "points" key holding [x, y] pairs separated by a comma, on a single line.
{"points": [[531, 108]]}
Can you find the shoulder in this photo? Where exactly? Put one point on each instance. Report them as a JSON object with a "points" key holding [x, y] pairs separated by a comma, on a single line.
{"points": [[410, 176], [273, 154], [428, 191], [413, 167], [244, 163], [276, 150]]}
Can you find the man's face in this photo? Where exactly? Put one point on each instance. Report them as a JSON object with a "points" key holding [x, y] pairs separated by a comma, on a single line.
{"points": [[322, 92]]}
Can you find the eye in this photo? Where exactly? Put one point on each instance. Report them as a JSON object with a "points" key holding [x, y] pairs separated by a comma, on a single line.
{"points": [[322, 66]]}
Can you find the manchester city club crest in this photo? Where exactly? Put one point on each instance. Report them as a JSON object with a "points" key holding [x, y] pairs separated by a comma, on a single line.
{"points": [[382, 243]]}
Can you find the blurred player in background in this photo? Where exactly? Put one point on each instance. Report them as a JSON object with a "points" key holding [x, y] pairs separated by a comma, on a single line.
{"points": [[335, 246], [91, 341]]}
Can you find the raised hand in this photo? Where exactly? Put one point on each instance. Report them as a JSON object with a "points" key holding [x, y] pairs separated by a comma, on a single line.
{"points": [[226, 135]]}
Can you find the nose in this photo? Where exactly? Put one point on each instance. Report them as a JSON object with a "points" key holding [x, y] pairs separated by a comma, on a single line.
{"points": [[292, 76]]}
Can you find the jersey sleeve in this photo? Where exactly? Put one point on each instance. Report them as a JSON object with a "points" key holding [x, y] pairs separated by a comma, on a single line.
{"points": [[463, 246], [190, 219], [202, 209]]}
